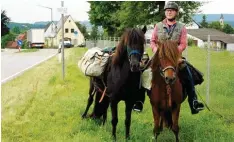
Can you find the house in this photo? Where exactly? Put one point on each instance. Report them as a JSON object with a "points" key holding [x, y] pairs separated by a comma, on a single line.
{"points": [[50, 30], [71, 33], [219, 40], [193, 25]]}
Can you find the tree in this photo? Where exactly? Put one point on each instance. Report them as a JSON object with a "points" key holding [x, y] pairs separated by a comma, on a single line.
{"points": [[228, 29], [103, 13], [115, 16], [204, 23], [94, 33], [83, 30], [4, 21], [187, 10], [6, 38], [16, 30], [136, 13], [215, 25]]}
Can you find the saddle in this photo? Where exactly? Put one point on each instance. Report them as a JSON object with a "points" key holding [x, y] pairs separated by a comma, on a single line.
{"points": [[197, 75], [109, 50]]}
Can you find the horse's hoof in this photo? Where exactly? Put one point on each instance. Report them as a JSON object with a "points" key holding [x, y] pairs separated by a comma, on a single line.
{"points": [[114, 138], [127, 137], [83, 116]]}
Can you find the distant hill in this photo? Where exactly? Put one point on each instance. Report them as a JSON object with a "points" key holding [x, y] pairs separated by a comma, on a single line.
{"points": [[36, 25], [42, 23], [25, 25], [228, 18]]}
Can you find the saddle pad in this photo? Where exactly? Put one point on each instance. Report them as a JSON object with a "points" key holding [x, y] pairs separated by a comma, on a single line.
{"points": [[146, 78]]}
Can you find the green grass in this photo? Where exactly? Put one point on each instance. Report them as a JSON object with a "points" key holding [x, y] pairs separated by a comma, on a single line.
{"points": [[28, 50], [40, 106]]}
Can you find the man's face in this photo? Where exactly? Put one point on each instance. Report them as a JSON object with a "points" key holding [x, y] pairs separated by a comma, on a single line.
{"points": [[170, 13]]}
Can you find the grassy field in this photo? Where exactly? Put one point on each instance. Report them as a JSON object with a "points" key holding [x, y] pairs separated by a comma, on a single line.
{"points": [[30, 50], [40, 106]]}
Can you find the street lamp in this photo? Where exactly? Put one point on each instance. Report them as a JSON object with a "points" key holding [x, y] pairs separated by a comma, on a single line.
{"points": [[52, 29], [51, 14]]}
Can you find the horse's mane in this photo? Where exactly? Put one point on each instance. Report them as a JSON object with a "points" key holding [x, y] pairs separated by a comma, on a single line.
{"points": [[167, 50], [132, 38]]}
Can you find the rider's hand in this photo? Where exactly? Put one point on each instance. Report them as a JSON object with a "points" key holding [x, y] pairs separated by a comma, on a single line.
{"points": [[180, 61]]}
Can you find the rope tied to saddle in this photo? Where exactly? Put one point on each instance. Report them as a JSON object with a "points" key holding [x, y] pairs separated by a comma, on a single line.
{"points": [[100, 90]]}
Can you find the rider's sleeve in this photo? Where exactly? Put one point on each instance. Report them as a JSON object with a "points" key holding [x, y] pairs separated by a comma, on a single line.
{"points": [[183, 40], [154, 39]]}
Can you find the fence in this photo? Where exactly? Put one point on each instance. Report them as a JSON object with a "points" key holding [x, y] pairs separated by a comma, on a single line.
{"points": [[102, 42]]}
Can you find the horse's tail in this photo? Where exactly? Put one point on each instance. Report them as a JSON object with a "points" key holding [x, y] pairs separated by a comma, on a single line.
{"points": [[168, 118]]}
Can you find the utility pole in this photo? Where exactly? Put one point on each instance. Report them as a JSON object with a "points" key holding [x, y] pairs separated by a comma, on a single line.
{"points": [[208, 72], [63, 68]]}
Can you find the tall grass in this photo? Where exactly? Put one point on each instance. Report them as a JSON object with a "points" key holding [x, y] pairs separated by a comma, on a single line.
{"points": [[40, 106]]}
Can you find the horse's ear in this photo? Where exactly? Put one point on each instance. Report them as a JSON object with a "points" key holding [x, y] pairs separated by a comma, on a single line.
{"points": [[144, 29]]}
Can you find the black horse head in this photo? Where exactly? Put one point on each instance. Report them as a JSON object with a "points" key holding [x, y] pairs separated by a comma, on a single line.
{"points": [[131, 46]]}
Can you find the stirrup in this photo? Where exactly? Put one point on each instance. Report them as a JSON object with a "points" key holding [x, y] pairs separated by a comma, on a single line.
{"points": [[136, 109], [198, 108]]}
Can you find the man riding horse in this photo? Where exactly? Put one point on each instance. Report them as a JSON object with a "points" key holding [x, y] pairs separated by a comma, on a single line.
{"points": [[170, 29]]}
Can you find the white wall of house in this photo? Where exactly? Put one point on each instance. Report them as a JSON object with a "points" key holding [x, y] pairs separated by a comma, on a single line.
{"points": [[200, 43], [49, 32], [193, 25], [230, 47], [148, 33], [218, 44]]}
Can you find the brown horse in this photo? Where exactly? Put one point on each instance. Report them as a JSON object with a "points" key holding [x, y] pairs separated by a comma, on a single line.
{"points": [[167, 93]]}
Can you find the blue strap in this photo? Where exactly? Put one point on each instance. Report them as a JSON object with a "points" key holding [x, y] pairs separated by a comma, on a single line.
{"points": [[134, 52]]}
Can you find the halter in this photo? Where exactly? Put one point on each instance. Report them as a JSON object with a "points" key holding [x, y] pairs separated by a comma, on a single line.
{"points": [[162, 71], [166, 68], [132, 51]]}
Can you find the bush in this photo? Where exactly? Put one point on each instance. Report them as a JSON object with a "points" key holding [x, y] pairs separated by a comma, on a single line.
{"points": [[25, 45], [6, 38], [190, 42]]}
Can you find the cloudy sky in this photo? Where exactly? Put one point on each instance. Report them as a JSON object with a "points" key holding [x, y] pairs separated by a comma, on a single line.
{"points": [[29, 10]]}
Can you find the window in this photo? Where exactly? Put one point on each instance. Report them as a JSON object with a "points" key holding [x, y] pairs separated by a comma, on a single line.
{"points": [[72, 30], [66, 30]]}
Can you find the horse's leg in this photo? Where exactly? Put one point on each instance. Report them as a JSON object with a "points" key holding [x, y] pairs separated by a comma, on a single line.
{"points": [[104, 117], [128, 112], [92, 91], [175, 119], [114, 112], [161, 124], [156, 116]]}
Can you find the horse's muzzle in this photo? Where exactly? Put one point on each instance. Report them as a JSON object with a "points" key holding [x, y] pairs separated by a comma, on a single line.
{"points": [[135, 67], [170, 80]]}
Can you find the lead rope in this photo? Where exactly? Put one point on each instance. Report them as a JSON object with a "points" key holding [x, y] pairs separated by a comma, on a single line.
{"points": [[104, 92]]}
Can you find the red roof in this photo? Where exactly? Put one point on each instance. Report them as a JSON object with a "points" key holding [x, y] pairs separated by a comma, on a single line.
{"points": [[21, 36], [11, 44]]}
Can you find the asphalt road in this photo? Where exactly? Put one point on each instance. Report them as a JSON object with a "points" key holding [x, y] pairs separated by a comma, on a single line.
{"points": [[13, 63]]}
